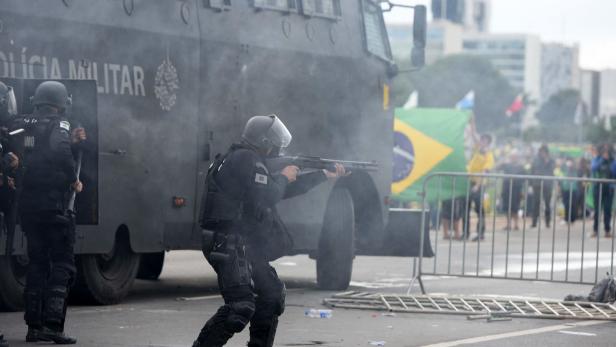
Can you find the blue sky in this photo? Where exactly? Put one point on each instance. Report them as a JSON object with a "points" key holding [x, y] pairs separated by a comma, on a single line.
{"points": [[591, 23]]}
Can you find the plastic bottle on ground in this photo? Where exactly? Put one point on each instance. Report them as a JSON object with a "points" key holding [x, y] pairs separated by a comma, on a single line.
{"points": [[318, 313]]}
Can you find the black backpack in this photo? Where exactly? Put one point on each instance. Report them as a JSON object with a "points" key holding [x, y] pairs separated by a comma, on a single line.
{"points": [[218, 209], [604, 291]]}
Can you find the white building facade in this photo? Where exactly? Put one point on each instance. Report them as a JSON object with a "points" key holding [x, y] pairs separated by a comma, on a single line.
{"points": [[590, 86], [560, 68], [443, 38], [516, 57], [607, 94]]}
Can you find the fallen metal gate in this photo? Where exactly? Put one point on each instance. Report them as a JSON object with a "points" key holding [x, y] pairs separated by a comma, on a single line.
{"points": [[512, 307]]}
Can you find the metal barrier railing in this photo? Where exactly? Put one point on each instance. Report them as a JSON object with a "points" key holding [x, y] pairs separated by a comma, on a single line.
{"points": [[560, 252]]}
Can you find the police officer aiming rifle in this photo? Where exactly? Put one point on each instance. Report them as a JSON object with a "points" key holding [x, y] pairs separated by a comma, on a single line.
{"points": [[49, 175], [243, 231]]}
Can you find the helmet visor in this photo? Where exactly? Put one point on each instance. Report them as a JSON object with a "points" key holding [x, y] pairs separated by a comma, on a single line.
{"points": [[11, 102], [278, 134]]}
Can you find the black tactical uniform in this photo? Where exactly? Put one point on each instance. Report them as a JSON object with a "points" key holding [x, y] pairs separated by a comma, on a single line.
{"points": [[7, 111], [240, 207], [49, 171]]}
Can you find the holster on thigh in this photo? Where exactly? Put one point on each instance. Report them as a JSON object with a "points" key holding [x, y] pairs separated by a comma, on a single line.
{"points": [[236, 269]]}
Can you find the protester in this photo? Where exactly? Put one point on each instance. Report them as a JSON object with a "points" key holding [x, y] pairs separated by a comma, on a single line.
{"points": [[543, 165], [451, 213], [482, 161], [570, 191], [511, 193], [603, 166], [583, 171]]}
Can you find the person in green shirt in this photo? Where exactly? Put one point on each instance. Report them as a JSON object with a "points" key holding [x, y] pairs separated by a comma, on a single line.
{"points": [[569, 191]]}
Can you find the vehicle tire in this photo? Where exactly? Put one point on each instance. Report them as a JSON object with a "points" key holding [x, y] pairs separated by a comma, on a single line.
{"points": [[336, 243], [12, 281], [106, 279], [151, 265]]}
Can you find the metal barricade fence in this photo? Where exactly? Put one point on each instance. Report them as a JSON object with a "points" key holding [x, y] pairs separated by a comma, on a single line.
{"points": [[554, 250]]}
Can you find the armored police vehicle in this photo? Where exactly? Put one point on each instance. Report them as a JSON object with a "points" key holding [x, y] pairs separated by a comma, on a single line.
{"points": [[161, 86]]}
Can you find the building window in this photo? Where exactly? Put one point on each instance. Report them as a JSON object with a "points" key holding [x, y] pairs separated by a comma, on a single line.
{"points": [[322, 8], [278, 5], [470, 45]]}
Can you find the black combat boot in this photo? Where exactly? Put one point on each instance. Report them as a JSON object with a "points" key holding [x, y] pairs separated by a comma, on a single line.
{"points": [[33, 314], [34, 334], [58, 337], [54, 312], [214, 333], [262, 333]]}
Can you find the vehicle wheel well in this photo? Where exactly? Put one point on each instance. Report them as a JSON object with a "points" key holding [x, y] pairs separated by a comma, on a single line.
{"points": [[368, 213], [123, 233]]}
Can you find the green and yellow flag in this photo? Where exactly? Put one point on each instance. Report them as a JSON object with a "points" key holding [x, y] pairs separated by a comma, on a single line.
{"points": [[427, 141]]}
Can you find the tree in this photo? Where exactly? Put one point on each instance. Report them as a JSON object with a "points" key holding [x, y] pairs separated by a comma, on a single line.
{"points": [[446, 81], [556, 116], [559, 108]]}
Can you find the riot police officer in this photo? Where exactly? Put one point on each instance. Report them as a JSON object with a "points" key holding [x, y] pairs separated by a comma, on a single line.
{"points": [[49, 175], [8, 165], [243, 232]]}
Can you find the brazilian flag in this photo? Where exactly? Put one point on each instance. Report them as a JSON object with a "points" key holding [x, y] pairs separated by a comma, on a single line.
{"points": [[429, 140]]}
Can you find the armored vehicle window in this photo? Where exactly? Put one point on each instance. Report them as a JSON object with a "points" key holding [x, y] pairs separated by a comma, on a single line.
{"points": [[280, 5], [377, 42], [217, 4], [322, 8]]}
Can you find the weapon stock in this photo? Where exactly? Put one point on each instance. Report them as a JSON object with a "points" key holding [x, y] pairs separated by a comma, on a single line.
{"points": [[318, 163], [71, 202]]}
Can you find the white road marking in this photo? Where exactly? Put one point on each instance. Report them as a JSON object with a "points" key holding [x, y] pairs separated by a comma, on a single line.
{"points": [[579, 333], [195, 298], [218, 296], [512, 334], [545, 263], [287, 263]]}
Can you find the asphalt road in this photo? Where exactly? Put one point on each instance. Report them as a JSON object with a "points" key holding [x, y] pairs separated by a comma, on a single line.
{"points": [[171, 311]]}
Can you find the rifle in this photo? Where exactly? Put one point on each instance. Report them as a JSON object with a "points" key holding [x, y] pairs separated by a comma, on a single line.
{"points": [[69, 216], [305, 162], [71, 201]]}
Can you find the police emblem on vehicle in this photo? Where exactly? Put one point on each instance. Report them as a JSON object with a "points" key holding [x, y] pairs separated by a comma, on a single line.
{"points": [[166, 83]]}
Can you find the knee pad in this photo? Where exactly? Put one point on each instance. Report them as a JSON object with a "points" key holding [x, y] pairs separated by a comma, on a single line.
{"points": [[239, 316], [63, 274]]}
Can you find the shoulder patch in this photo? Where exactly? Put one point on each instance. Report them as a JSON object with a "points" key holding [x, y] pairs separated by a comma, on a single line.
{"points": [[262, 179], [262, 166], [65, 125]]}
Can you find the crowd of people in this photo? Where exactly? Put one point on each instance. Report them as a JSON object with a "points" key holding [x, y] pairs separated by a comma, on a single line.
{"points": [[524, 197]]}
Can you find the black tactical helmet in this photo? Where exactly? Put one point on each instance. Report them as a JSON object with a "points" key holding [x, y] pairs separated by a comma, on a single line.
{"points": [[51, 93], [8, 104], [266, 133]]}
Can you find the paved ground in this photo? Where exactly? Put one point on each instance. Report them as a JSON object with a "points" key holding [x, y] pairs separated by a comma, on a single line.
{"points": [[170, 312]]}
